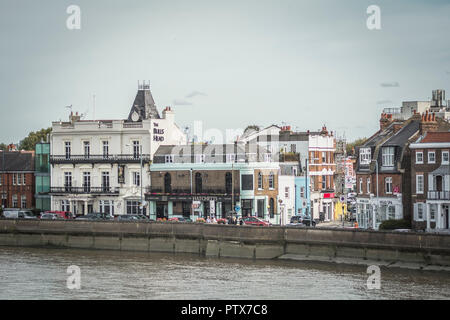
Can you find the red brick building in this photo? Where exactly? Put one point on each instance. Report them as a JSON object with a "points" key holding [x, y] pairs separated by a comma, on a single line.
{"points": [[17, 179], [430, 182]]}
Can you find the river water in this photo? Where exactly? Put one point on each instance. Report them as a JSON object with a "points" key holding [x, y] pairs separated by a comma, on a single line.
{"points": [[41, 273]]}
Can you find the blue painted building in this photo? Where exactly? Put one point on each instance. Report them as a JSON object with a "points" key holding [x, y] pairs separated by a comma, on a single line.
{"points": [[302, 198]]}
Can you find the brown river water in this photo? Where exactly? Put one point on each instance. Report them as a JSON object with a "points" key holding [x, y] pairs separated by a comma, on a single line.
{"points": [[41, 273]]}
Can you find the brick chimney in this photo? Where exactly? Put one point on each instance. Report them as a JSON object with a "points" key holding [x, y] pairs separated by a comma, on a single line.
{"points": [[385, 120], [397, 126], [428, 123], [74, 117]]}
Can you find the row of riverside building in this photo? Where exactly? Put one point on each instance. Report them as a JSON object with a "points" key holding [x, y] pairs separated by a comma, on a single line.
{"points": [[403, 171], [145, 164]]}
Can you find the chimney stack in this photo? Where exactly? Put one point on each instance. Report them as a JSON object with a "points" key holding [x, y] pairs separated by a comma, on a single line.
{"points": [[428, 123]]}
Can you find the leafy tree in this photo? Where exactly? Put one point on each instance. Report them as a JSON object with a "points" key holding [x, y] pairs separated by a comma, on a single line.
{"points": [[29, 143], [3, 146], [351, 146]]}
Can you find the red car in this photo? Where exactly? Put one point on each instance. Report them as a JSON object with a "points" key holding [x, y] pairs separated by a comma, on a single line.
{"points": [[254, 221], [63, 214]]}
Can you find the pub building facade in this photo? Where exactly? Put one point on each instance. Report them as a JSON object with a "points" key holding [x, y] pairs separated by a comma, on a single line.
{"points": [[103, 165], [200, 181]]}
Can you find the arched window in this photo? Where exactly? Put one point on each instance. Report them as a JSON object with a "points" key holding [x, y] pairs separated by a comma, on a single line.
{"points": [[167, 183], [271, 181], [198, 182], [271, 207], [260, 180], [228, 183]]}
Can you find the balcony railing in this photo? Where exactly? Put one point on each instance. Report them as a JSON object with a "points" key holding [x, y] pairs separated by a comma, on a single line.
{"points": [[84, 190], [204, 191], [439, 195], [94, 158]]}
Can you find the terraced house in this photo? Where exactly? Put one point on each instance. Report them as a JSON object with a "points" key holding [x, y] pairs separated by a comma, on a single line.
{"points": [[430, 177], [17, 178], [103, 165], [203, 180], [383, 173]]}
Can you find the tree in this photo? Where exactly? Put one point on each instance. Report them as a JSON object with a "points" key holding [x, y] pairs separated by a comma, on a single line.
{"points": [[351, 146], [29, 143], [3, 146], [252, 127]]}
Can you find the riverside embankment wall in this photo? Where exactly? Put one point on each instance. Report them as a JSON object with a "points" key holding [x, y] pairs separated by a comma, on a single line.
{"points": [[230, 241]]}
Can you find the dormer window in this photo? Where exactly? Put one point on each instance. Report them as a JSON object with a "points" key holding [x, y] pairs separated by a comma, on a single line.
{"points": [[365, 156], [388, 156]]}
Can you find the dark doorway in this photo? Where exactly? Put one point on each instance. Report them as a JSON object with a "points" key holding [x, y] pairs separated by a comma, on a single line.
{"points": [[186, 209], [228, 183], [438, 183], [198, 183], [260, 208], [247, 206], [272, 207], [167, 183], [161, 210]]}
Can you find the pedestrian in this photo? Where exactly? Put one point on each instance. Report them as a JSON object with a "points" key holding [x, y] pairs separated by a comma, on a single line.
{"points": [[208, 220]]}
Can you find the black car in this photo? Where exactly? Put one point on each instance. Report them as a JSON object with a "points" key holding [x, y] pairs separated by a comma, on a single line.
{"points": [[95, 217], [302, 220], [132, 217]]}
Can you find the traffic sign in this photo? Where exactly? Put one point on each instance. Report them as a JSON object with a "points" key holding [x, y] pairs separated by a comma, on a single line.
{"points": [[237, 208]]}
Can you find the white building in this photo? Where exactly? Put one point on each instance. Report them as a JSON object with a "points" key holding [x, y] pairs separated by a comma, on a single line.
{"points": [[286, 193], [103, 165]]}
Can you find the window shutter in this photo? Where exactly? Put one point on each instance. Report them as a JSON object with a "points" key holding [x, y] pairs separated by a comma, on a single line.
{"points": [[446, 183], [430, 182], [415, 211]]}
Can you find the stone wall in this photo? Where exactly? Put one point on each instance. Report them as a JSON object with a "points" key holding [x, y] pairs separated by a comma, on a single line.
{"points": [[231, 241]]}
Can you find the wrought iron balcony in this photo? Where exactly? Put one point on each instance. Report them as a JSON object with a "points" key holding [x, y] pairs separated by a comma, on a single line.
{"points": [[438, 195], [95, 158], [84, 190], [204, 191]]}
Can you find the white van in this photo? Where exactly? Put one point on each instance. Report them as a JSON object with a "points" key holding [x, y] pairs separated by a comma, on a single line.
{"points": [[18, 214]]}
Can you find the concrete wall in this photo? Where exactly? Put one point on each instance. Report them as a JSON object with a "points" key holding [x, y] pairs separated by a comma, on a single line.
{"points": [[231, 241]]}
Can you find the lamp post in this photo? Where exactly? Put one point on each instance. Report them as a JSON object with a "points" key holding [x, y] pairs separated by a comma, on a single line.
{"points": [[378, 204]]}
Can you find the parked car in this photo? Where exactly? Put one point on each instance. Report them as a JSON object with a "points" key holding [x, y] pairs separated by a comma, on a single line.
{"points": [[14, 213], [131, 217], [180, 219], [255, 221], [62, 214], [302, 220], [51, 216], [97, 216]]}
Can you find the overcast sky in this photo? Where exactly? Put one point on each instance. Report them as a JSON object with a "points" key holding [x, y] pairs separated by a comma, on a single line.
{"points": [[227, 63]]}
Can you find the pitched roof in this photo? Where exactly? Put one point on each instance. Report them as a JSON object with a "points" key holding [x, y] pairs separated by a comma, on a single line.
{"points": [[402, 136], [144, 105], [17, 161], [436, 137]]}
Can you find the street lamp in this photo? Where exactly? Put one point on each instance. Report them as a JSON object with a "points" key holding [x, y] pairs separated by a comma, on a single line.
{"points": [[378, 204]]}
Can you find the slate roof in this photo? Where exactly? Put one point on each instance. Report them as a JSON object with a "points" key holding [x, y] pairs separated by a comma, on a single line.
{"points": [[142, 103], [17, 161], [402, 136]]}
